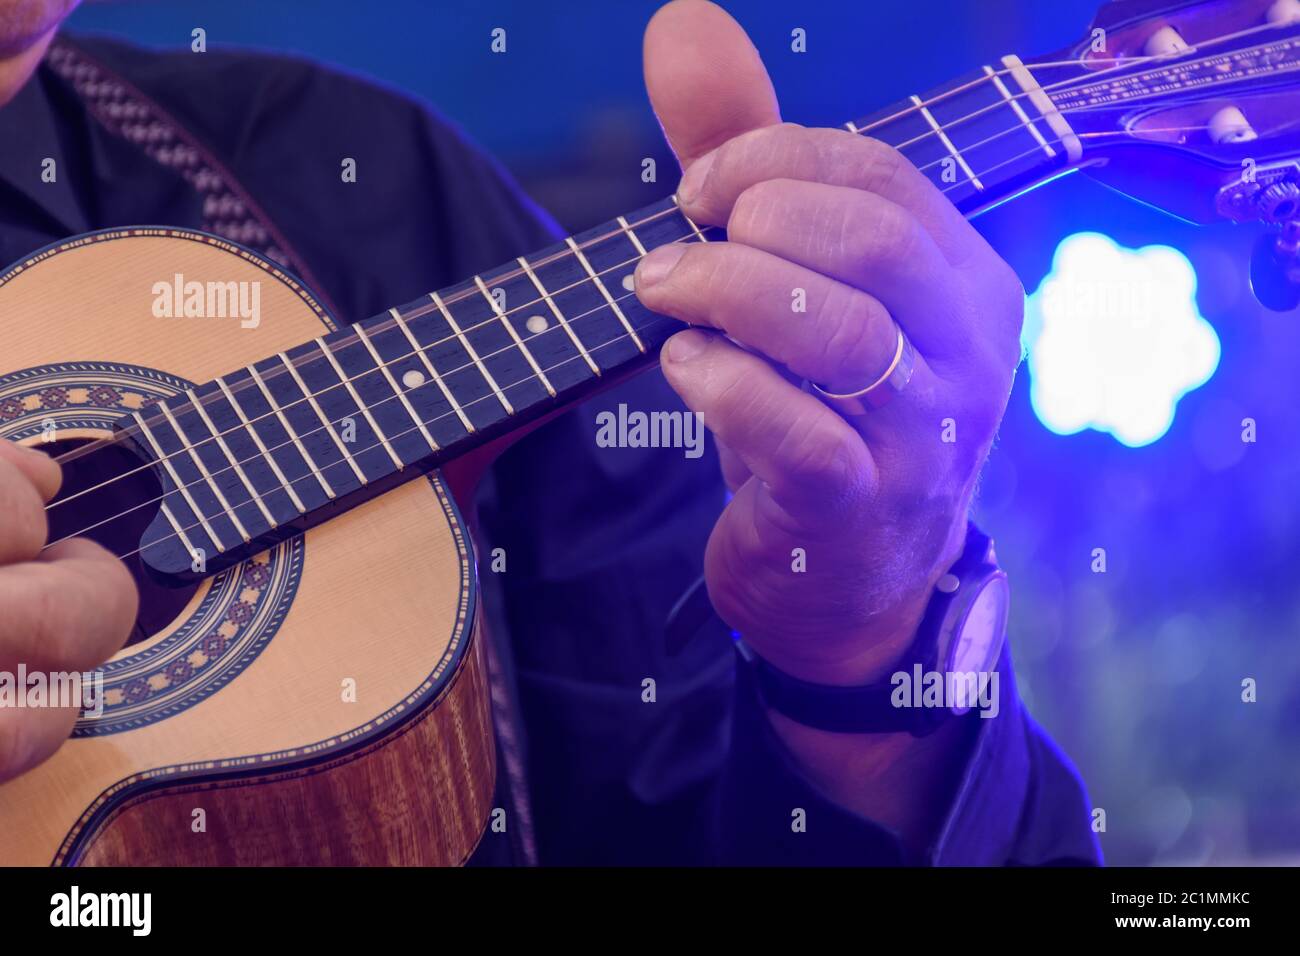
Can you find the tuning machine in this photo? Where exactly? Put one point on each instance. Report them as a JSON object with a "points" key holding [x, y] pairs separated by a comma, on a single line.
{"points": [[1275, 268], [1269, 194]]}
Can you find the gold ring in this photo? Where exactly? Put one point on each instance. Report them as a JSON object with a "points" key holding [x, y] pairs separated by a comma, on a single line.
{"points": [[880, 392]]}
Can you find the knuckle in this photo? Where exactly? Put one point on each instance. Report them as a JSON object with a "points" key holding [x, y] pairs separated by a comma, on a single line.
{"points": [[52, 637], [126, 600], [849, 347], [760, 145], [824, 457], [875, 230], [753, 209], [24, 522], [886, 164], [731, 402], [108, 592]]}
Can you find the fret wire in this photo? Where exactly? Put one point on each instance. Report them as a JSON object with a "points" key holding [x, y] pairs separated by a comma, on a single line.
{"points": [[419, 350], [514, 335], [948, 144], [482, 398], [186, 543], [284, 422], [203, 471], [1020, 112], [406, 402], [631, 234], [483, 369], [605, 292], [257, 439], [399, 322], [564, 323], [180, 485], [225, 450], [315, 406], [691, 222], [1043, 103], [1072, 84], [288, 483], [347, 383]]}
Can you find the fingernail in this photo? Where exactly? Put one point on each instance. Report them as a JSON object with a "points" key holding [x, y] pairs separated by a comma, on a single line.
{"points": [[684, 346], [656, 265], [692, 183]]}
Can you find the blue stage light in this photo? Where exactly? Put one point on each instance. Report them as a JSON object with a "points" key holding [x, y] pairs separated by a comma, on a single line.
{"points": [[1114, 339]]}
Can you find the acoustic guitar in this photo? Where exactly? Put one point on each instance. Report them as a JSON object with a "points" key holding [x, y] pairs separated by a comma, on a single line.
{"points": [[299, 689]]}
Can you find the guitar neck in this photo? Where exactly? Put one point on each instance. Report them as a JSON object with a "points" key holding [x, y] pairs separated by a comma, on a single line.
{"points": [[339, 420], [981, 139]]}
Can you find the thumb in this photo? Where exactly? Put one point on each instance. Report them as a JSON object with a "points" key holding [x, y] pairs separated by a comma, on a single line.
{"points": [[705, 79]]}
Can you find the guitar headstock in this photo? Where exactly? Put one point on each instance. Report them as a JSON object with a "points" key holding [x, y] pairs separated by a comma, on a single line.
{"points": [[1193, 106]]}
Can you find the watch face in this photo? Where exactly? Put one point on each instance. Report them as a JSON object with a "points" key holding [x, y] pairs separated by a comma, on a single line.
{"points": [[978, 639]]}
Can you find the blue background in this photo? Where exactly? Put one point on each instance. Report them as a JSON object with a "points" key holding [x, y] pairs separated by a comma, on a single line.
{"points": [[1136, 672]]}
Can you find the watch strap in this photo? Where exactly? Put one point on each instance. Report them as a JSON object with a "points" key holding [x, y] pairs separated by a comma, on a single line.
{"points": [[869, 708]]}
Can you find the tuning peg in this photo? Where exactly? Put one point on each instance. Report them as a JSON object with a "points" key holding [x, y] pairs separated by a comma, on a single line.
{"points": [[1283, 12], [1229, 125], [1165, 42], [1275, 270]]}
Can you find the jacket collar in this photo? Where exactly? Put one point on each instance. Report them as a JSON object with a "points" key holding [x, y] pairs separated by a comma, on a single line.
{"points": [[29, 139]]}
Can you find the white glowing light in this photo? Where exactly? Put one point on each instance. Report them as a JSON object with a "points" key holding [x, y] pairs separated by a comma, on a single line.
{"points": [[1115, 339]]}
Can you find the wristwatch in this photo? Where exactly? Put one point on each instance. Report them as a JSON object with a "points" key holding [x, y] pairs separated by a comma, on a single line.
{"points": [[942, 676]]}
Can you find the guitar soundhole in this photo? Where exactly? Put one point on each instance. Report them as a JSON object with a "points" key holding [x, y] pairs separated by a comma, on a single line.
{"points": [[110, 496]]}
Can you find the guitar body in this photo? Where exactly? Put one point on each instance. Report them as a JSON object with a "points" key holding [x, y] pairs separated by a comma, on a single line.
{"points": [[322, 703]]}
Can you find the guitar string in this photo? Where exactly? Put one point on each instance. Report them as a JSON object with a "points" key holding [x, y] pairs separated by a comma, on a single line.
{"points": [[1272, 131], [387, 325], [188, 448], [132, 430], [1067, 84], [658, 320], [204, 479], [1076, 84]]}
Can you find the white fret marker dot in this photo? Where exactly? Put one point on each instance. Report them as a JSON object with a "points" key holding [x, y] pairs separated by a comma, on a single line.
{"points": [[629, 282], [536, 324], [413, 378]]}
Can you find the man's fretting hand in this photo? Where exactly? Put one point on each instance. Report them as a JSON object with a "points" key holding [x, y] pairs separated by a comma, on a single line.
{"points": [[876, 504]]}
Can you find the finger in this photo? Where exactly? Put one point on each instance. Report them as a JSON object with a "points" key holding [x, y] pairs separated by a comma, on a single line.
{"points": [[41, 470], [734, 471], [822, 330], [834, 157], [817, 467], [70, 610], [705, 79], [30, 735], [872, 244], [23, 524]]}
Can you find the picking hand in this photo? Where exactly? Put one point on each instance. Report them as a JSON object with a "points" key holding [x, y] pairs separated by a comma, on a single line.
{"points": [[64, 609]]}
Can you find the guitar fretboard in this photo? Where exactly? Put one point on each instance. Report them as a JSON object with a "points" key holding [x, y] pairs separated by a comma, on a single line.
{"points": [[275, 448]]}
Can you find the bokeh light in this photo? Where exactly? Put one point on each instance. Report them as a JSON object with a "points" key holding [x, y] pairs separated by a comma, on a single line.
{"points": [[1115, 339]]}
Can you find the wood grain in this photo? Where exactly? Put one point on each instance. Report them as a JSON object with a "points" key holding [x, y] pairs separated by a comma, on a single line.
{"points": [[419, 797]]}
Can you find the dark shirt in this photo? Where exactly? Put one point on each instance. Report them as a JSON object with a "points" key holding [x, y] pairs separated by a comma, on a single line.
{"points": [[600, 542]]}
